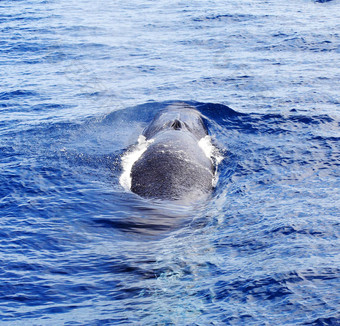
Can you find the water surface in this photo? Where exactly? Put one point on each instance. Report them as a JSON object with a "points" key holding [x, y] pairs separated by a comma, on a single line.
{"points": [[80, 80]]}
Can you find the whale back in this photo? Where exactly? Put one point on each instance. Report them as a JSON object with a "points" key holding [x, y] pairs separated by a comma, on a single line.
{"points": [[173, 167]]}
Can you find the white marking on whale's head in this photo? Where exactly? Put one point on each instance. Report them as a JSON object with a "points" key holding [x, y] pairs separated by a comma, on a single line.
{"points": [[130, 157]]}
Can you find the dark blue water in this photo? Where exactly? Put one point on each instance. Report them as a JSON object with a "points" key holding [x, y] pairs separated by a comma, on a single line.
{"points": [[79, 82]]}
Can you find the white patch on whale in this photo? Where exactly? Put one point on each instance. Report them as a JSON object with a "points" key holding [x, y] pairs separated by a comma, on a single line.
{"points": [[129, 159]]}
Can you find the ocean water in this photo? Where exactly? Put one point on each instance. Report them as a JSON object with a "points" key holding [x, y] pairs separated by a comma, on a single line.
{"points": [[79, 82]]}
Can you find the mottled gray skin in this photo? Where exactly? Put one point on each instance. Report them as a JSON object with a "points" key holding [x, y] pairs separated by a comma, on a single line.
{"points": [[174, 167]]}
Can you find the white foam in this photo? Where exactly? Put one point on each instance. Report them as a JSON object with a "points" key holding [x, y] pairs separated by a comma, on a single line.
{"points": [[210, 150], [213, 153], [130, 157]]}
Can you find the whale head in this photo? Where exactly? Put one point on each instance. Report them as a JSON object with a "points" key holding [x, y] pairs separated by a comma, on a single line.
{"points": [[179, 117]]}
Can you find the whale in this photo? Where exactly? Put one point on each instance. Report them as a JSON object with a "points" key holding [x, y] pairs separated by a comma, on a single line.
{"points": [[174, 166]]}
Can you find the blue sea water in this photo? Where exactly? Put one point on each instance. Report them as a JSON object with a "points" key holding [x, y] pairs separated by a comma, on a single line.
{"points": [[79, 82]]}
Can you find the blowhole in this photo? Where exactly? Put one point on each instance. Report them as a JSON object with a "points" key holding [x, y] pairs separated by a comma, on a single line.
{"points": [[177, 125]]}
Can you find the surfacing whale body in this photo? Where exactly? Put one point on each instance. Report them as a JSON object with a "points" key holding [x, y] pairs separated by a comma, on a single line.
{"points": [[174, 166]]}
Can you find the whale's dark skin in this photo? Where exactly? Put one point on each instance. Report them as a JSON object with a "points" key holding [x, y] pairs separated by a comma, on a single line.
{"points": [[174, 166]]}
